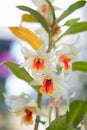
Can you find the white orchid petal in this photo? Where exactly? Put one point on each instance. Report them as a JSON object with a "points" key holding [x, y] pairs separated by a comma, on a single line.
{"points": [[38, 3], [60, 88], [43, 35], [26, 63], [41, 51], [16, 103], [32, 103], [57, 8], [36, 75], [51, 55], [71, 39], [72, 95], [10, 97], [28, 52]]}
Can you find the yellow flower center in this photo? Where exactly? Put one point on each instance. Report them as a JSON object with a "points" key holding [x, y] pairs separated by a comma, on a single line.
{"points": [[47, 87], [38, 64]]}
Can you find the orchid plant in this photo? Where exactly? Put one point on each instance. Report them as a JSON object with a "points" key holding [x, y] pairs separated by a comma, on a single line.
{"points": [[48, 65]]}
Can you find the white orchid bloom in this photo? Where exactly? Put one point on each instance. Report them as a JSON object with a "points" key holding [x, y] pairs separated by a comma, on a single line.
{"points": [[52, 85], [15, 103], [37, 61], [23, 107], [44, 8], [68, 51]]}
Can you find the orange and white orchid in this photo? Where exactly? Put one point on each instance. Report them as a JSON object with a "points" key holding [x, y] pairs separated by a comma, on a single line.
{"points": [[68, 52], [23, 107], [52, 85], [37, 61], [44, 8], [66, 62]]}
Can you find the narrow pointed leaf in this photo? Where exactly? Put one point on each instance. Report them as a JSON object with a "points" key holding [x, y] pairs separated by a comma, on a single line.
{"points": [[76, 28], [58, 124], [71, 9], [71, 22], [77, 111], [28, 18], [79, 66], [37, 16], [21, 73], [27, 35]]}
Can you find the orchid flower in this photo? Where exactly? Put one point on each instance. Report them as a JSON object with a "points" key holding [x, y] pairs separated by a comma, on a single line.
{"points": [[44, 9], [23, 107], [68, 52], [37, 61], [52, 85]]}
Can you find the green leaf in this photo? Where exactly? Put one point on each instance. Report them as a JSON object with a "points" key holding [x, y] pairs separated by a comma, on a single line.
{"points": [[53, 11], [28, 18], [58, 124], [71, 22], [72, 118], [76, 28], [79, 66], [20, 73], [37, 15], [71, 9], [77, 111]]}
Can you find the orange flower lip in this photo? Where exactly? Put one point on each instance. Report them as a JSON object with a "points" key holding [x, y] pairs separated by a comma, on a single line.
{"points": [[28, 117], [47, 87], [44, 8], [38, 64], [65, 59]]}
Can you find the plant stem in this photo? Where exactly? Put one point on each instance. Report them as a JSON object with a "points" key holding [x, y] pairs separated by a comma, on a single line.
{"points": [[36, 123], [39, 101], [56, 111], [50, 112]]}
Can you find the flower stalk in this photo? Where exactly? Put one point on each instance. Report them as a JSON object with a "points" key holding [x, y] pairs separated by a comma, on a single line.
{"points": [[39, 102], [56, 111]]}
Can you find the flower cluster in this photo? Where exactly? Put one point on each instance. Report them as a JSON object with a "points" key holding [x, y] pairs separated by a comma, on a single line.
{"points": [[50, 60]]}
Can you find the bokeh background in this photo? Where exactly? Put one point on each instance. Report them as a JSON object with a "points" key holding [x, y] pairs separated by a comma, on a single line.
{"points": [[10, 51]]}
